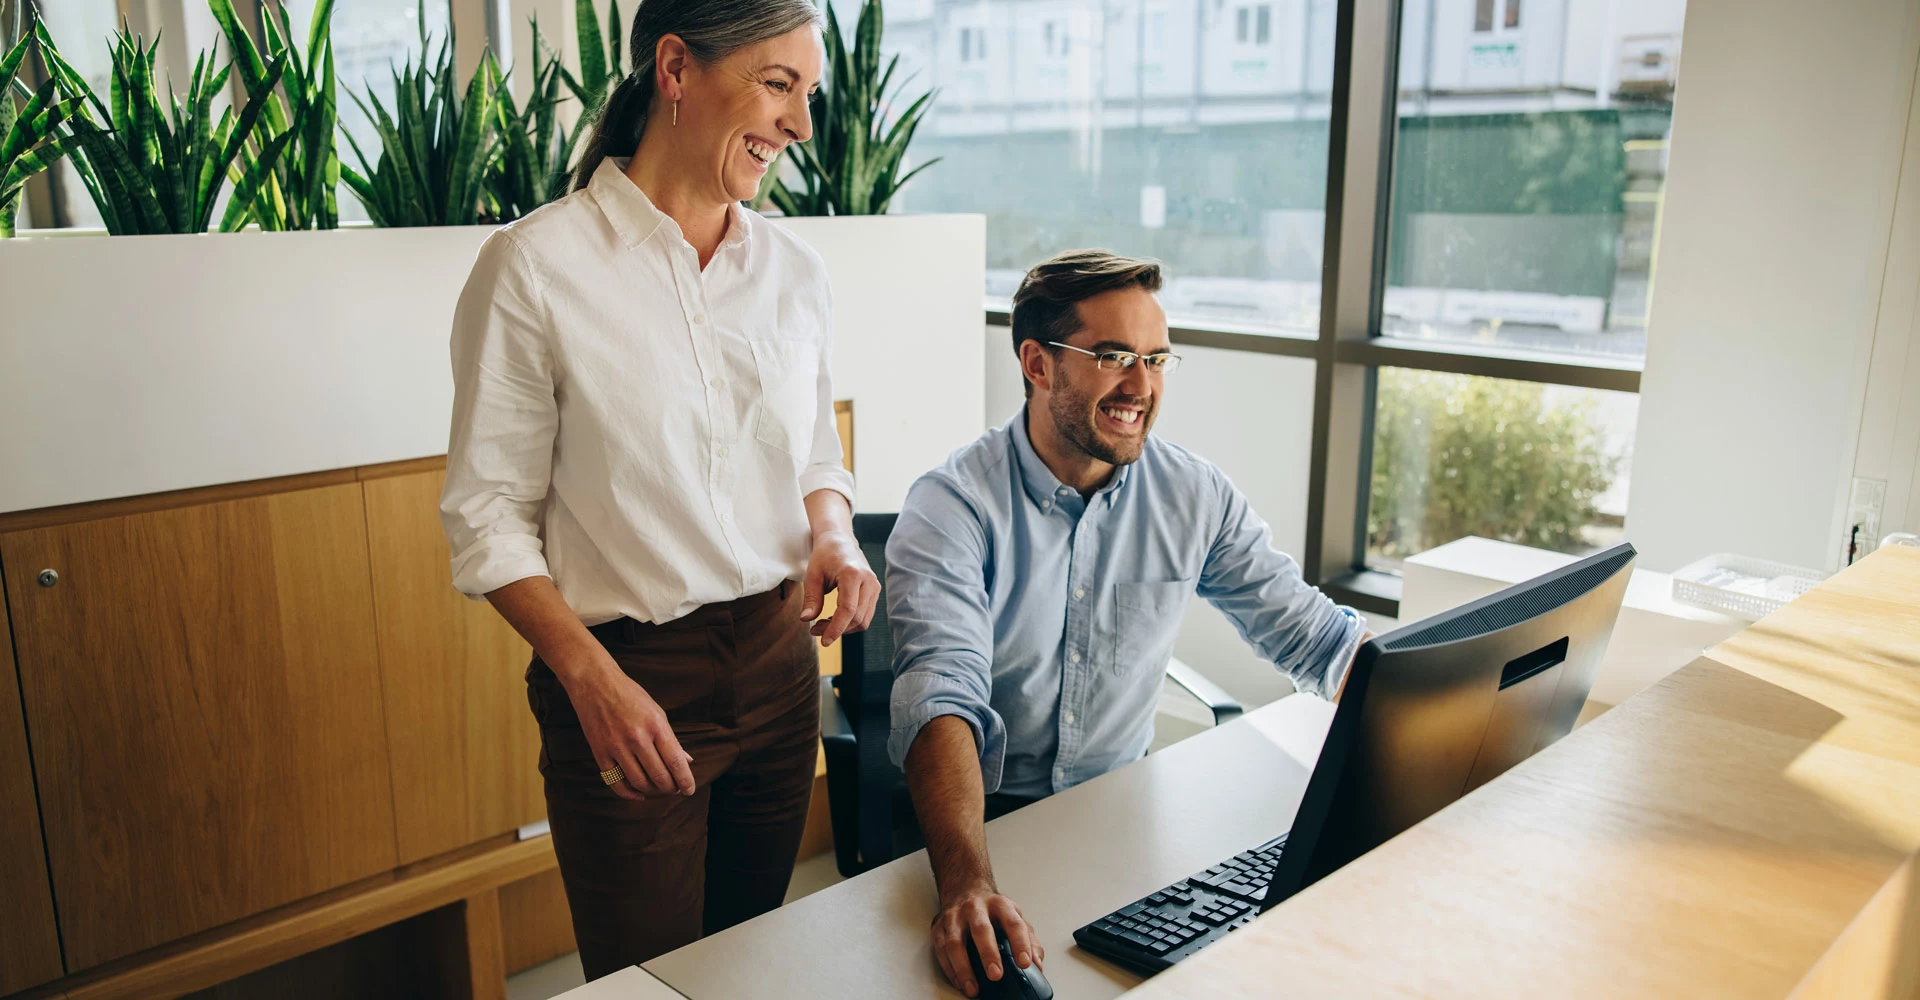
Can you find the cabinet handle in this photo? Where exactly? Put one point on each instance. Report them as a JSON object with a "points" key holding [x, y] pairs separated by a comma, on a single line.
{"points": [[48, 578]]}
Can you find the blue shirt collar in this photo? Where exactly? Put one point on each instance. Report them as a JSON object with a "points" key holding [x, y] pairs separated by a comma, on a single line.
{"points": [[1041, 485]]}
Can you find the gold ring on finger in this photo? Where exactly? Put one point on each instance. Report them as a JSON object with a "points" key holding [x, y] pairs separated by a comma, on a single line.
{"points": [[613, 775]]}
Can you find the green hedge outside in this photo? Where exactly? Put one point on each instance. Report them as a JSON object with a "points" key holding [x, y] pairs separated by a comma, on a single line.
{"points": [[1458, 455]]}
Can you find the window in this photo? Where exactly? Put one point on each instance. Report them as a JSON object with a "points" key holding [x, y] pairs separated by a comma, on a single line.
{"points": [[1156, 139], [82, 30], [372, 39], [1458, 455], [1526, 187]]}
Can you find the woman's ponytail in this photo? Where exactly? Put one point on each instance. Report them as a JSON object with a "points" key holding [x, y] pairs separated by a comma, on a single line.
{"points": [[622, 119], [711, 29]]}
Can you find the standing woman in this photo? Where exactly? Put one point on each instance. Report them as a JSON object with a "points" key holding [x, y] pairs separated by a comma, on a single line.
{"points": [[643, 462]]}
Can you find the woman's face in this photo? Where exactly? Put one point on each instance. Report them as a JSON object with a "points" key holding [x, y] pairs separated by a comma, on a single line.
{"points": [[739, 114]]}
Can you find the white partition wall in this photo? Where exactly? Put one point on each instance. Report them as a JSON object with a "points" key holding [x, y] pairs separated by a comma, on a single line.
{"points": [[1788, 129], [137, 364], [906, 293], [133, 365]]}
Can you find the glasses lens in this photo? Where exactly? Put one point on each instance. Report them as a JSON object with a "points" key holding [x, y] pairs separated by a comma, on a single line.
{"points": [[1162, 363], [1115, 361]]}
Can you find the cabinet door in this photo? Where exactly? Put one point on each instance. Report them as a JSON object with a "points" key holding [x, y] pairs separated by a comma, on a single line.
{"points": [[465, 749], [29, 943], [203, 695]]}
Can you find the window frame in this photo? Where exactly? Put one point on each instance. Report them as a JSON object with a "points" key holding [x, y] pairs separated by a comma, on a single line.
{"points": [[1351, 347]]}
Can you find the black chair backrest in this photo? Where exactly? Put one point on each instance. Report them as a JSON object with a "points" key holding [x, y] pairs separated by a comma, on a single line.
{"points": [[865, 684]]}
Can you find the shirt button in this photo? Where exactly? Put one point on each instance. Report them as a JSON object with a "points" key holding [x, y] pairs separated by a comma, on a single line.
{"points": [[1064, 491], [1046, 505], [720, 452], [726, 519], [1067, 718], [717, 382], [1074, 657], [700, 319], [1079, 592]]}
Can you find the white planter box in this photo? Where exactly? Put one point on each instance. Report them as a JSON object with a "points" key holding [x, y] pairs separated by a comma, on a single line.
{"points": [[133, 365]]}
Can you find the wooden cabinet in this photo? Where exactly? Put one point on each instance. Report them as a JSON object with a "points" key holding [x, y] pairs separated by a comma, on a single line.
{"points": [[463, 744], [29, 942], [202, 688]]}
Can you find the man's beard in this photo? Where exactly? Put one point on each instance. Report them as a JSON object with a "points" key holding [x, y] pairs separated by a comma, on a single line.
{"points": [[1073, 414]]}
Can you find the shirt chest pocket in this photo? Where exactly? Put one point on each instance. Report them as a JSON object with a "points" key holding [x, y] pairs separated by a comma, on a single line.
{"points": [[1147, 619], [789, 372]]}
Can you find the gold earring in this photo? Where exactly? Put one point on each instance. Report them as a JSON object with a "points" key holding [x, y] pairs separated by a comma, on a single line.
{"points": [[676, 113]]}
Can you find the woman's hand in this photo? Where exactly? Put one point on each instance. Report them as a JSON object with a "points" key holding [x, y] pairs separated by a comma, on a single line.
{"points": [[626, 727], [838, 565]]}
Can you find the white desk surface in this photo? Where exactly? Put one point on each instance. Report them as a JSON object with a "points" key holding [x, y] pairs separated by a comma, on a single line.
{"points": [[1066, 860], [630, 983]]}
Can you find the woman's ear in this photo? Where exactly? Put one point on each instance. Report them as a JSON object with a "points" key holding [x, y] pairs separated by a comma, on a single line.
{"points": [[670, 59]]}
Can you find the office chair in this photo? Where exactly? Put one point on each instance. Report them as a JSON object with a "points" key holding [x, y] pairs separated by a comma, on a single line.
{"points": [[867, 799]]}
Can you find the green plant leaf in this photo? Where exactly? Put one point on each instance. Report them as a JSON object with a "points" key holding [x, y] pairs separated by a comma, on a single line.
{"points": [[247, 189], [593, 57]]}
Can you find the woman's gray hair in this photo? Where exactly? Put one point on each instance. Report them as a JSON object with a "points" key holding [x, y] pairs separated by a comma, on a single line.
{"points": [[711, 28]]}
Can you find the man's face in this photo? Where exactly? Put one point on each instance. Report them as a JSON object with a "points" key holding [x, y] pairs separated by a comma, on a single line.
{"points": [[1107, 414]]}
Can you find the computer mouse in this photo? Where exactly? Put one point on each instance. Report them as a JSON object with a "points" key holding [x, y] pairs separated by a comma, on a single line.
{"points": [[1014, 983]]}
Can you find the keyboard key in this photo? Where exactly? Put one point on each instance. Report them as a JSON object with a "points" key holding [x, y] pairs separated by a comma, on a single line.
{"points": [[1132, 909], [1160, 947], [1157, 899]]}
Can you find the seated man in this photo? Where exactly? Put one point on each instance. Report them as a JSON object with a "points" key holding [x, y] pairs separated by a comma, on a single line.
{"points": [[1036, 581]]}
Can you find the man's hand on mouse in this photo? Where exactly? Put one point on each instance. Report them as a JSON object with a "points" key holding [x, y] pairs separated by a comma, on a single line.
{"points": [[973, 911]]}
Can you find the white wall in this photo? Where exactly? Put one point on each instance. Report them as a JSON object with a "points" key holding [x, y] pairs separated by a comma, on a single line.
{"points": [[134, 365], [1250, 414], [1787, 141], [137, 364], [1889, 450], [906, 292]]}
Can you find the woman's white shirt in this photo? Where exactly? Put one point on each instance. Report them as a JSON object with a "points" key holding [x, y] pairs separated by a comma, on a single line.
{"points": [[638, 429]]}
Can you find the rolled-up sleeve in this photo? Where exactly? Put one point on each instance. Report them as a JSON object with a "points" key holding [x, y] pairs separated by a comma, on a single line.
{"points": [[500, 451], [826, 467], [937, 607], [1261, 590]]}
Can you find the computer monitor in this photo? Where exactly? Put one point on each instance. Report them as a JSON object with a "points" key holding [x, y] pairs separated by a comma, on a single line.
{"points": [[1439, 707]]}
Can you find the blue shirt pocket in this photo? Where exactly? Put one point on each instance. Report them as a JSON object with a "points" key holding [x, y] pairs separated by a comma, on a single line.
{"points": [[1147, 619]]}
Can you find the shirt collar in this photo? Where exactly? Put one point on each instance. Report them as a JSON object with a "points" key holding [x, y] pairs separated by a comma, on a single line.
{"points": [[636, 220], [1039, 481]]}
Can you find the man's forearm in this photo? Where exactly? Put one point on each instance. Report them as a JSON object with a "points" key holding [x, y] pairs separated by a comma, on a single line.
{"points": [[943, 773]]}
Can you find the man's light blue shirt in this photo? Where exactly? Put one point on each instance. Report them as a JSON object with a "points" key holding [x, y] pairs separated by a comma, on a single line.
{"points": [[1046, 621]]}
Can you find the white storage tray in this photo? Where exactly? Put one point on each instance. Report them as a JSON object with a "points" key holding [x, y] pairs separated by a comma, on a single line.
{"points": [[1739, 585]]}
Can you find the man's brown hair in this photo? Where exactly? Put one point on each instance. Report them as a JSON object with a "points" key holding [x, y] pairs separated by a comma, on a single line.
{"points": [[1044, 306]]}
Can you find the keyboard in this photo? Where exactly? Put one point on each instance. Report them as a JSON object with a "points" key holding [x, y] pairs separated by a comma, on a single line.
{"points": [[1152, 933]]}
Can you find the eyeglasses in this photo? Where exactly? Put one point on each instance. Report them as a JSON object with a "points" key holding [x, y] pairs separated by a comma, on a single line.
{"points": [[1119, 361]]}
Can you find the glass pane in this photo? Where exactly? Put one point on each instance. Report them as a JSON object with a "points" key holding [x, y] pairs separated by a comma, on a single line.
{"points": [[1529, 170], [83, 31], [1194, 131], [1459, 455], [371, 40]]}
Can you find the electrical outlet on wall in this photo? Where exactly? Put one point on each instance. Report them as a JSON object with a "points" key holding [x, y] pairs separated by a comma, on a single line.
{"points": [[1863, 519]]}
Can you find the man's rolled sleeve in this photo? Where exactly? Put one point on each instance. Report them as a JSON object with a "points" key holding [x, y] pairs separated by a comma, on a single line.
{"points": [[942, 625], [1261, 590], [500, 452]]}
